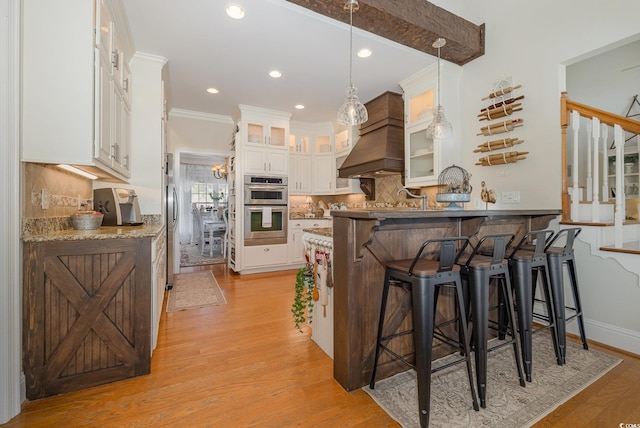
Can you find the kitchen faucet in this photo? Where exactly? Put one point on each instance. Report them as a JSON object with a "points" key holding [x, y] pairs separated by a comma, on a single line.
{"points": [[423, 196]]}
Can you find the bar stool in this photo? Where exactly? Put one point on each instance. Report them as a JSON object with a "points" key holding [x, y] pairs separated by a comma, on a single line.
{"points": [[476, 274], [424, 278], [557, 257], [525, 262]]}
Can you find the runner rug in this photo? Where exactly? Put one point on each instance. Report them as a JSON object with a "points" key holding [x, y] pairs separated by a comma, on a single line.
{"points": [[194, 290], [508, 404]]}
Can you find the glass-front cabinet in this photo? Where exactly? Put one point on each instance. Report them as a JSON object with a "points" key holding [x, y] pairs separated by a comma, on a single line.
{"points": [[631, 174], [424, 156]]}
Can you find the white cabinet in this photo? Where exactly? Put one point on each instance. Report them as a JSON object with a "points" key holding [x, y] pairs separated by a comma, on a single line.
{"points": [[275, 135], [300, 182], [323, 174], [425, 157], [296, 230], [68, 90], [343, 144], [262, 160], [158, 282], [265, 256], [311, 158]]}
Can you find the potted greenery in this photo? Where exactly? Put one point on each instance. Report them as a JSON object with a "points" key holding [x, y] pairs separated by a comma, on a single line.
{"points": [[216, 198], [302, 306]]}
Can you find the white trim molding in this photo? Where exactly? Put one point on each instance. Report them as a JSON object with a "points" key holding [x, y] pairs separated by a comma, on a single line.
{"points": [[10, 173], [190, 114]]}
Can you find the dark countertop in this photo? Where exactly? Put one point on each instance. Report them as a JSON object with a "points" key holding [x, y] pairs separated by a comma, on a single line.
{"points": [[394, 213], [105, 232]]}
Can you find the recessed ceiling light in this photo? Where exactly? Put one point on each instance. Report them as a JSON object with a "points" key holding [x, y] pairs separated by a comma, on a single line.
{"points": [[364, 53], [235, 11], [299, 106], [275, 74], [212, 90]]}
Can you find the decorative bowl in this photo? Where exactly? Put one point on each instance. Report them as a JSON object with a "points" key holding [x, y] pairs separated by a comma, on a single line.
{"points": [[86, 220]]}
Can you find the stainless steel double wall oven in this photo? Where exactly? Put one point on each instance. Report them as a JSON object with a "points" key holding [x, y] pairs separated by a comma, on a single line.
{"points": [[266, 212]]}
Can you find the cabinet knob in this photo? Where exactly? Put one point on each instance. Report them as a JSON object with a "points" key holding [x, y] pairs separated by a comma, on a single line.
{"points": [[266, 249]]}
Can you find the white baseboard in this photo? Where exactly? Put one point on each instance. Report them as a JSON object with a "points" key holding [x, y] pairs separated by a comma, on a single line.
{"points": [[607, 334], [23, 388], [611, 335]]}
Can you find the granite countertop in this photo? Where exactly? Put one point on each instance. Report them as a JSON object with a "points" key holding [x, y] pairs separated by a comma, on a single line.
{"points": [[105, 232], [323, 231]]}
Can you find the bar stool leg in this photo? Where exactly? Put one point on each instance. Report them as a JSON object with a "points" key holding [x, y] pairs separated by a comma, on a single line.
{"points": [[523, 282], [557, 290], [423, 298], [548, 300], [462, 325], [506, 287], [383, 307], [479, 301], [576, 297]]}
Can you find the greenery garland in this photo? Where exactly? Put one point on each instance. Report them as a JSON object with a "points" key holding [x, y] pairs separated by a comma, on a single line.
{"points": [[303, 300]]}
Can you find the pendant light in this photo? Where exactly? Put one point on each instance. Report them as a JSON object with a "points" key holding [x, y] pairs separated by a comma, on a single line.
{"points": [[439, 127], [352, 111]]}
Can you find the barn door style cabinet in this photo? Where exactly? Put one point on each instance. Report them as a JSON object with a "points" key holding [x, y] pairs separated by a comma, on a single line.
{"points": [[87, 313]]}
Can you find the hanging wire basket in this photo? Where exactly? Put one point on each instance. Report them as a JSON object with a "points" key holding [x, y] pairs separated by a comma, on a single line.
{"points": [[454, 186]]}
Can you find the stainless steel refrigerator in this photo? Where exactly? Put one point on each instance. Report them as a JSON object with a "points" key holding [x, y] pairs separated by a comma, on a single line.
{"points": [[171, 217]]}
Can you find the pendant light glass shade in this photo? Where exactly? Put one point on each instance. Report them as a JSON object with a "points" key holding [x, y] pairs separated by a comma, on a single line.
{"points": [[439, 126], [352, 112]]}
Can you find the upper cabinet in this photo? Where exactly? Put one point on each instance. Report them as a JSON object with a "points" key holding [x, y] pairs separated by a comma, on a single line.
{"points": [[75, 100], [263, 138], [426, 157], [311, 158]]}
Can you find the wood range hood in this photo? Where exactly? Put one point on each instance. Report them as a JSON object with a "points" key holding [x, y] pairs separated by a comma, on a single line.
{"points": [[413, 23]]}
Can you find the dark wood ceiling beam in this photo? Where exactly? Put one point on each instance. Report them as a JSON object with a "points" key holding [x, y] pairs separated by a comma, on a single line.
{"points": [[413, 23]]}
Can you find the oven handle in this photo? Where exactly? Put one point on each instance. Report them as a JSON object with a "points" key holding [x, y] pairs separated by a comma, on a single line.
{"points": [[259, 207], [266, 187]]}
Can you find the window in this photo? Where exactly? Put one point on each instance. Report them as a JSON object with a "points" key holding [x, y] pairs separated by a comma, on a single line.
{"points": [[201, 194]]}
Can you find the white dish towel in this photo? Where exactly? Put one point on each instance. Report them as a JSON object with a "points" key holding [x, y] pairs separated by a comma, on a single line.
{"points": [[266, 217]]}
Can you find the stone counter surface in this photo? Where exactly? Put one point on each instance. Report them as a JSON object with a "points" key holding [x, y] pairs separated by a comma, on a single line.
{"points": [[416, 214], [105, 232], [322, 231]]}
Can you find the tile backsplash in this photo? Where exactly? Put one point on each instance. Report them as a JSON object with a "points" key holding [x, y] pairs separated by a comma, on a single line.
{"points": [[386, 197], [62, 189]]}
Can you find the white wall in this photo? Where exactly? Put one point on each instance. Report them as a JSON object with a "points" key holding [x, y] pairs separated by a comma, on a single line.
{"points": [[533, 42], [607, 81], [530, 41], [200, 133]]}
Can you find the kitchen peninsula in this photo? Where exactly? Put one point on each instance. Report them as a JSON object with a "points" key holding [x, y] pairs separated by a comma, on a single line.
{"points": [[363, 241]]}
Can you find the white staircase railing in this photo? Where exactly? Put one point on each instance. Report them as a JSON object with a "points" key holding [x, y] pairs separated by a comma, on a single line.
{"points": [[603, 162]]}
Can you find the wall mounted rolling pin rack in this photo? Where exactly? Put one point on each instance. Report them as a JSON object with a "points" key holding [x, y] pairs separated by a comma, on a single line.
{"points": [[499, 114], [501, 158], [504, 143]]}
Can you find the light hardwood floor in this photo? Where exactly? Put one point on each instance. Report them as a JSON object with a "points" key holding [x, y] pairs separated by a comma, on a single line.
{"points": [[244, 365]]}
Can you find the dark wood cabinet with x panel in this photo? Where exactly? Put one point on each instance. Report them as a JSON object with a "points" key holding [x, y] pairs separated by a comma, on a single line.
{"points": [[86, 313]]}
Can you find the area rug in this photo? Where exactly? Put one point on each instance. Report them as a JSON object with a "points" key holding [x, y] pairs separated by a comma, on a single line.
{"points": [[190, 256], [194, 290], [508, 404]]}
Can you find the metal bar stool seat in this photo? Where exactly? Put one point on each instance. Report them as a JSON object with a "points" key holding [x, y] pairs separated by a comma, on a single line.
{"points": [[477, 273], [557, 257], [424, 278], [525, 262]]}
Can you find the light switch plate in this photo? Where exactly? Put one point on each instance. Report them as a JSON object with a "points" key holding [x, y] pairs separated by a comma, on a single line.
{"points": [[511, 197]]}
